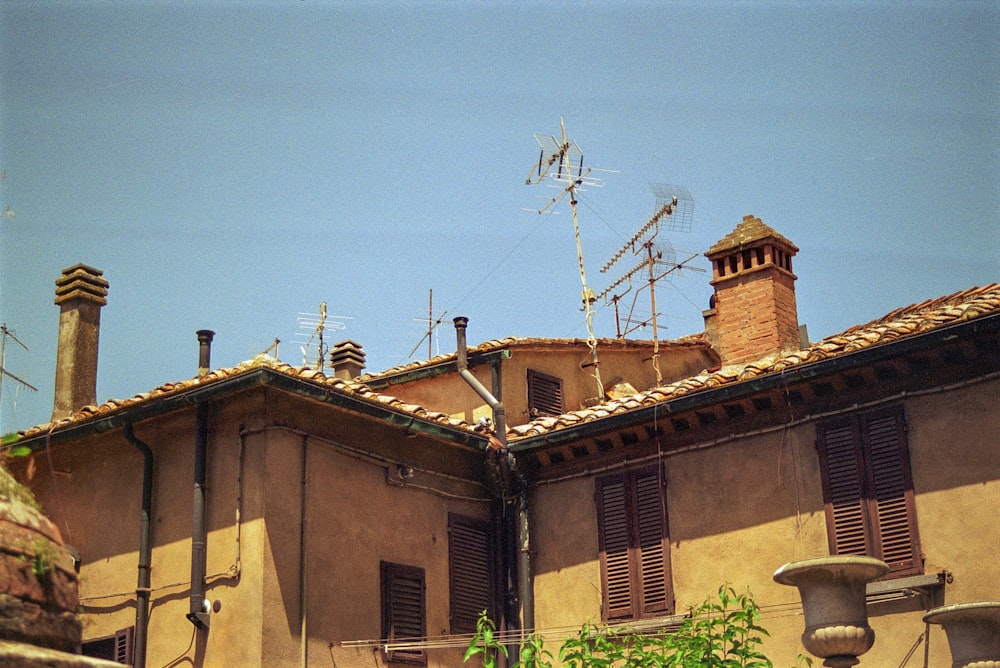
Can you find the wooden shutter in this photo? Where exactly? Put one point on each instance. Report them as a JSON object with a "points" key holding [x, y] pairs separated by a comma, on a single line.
{"points": [[651, 535], [893, 507], [632, 532], [613, 533], [545, 394], [868, 489], [470, 571], [123, 645], [403, 609], [843, 478]]}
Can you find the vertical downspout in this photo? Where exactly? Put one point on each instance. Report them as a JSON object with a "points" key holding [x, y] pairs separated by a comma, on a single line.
{"points": [[142, 589], [198, 610], [515, 526]]}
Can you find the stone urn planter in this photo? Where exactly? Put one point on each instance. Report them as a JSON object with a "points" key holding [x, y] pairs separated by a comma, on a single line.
{"points": [[38, 581], [833, 601], [973, 631]]}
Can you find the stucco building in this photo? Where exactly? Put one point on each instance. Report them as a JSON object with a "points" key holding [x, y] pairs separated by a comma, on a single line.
{"points": [[270, 515]]}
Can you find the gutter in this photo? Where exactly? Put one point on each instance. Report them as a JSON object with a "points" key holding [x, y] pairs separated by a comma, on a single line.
{"points": [[735, 391], [437, 369], [261, 377], [142, 589]]}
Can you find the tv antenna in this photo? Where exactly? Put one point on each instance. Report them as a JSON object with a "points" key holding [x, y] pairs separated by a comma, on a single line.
{"points": [[432, 324], [672, 213], [4, 374], [561, 161], [317, 324]]}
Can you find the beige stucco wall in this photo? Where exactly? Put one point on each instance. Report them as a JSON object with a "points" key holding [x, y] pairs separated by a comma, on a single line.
{"points": [[352, 519], [740, 509], [449, 393]]}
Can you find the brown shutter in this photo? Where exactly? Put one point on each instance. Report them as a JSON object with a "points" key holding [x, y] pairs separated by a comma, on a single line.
{"points": [[840, 462], [470, 571], [613, 534], [892, 487], [868, 488], [123, 645], [403, 609], [653, 550], [545, 394], [635, 556]]}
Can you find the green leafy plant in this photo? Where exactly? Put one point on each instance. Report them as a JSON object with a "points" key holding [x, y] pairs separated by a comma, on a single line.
{"points": [[723, 632]]}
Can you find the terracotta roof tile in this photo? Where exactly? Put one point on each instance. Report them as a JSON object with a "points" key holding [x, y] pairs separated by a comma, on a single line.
{"points": [[347, 387], [527, 342], [750, 229], [902, 322]]}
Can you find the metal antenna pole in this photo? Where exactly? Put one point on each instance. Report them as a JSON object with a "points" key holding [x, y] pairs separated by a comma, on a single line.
{"points": [[588, 294]]}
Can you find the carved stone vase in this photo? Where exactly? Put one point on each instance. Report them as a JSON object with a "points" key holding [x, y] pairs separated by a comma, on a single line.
{"points": [[833, 602], [973, 631], [38, 580]]}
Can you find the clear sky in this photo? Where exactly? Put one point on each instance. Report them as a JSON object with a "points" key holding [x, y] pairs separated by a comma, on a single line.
{"points": [[231, 165]]}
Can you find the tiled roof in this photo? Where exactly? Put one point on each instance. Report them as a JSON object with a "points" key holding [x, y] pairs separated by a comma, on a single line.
{"points": [[349, 388], [901, 323], [528, 342], [750, 229]]}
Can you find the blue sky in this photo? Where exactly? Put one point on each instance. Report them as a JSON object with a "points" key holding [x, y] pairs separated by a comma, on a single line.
{"points": [[230, 165]]}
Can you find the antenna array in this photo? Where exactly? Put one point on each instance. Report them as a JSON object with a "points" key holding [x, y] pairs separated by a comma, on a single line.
{"points": [[4, 374], [316, 324], [672, 212], [432, 324], [561, 161]]}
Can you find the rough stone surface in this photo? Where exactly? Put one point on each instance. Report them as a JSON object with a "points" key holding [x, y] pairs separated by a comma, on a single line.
{"points": [[28, 656]]}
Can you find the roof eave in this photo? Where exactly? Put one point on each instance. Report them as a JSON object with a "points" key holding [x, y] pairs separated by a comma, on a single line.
{"points": [[745, 389], [259, 377]]}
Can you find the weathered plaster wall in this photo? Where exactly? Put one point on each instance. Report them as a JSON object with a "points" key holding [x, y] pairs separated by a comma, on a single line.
{"points": [[739, 510]]}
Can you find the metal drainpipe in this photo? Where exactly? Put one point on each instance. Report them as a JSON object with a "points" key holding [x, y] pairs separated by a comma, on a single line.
{"points": [[516, 526], [142, 590], [198, 611]]}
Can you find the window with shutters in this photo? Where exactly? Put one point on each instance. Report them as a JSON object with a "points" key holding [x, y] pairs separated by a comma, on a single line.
{"points": [[634, 544], [868, 488], [403, 611], [470, 571], [545, 394], [117, 647]]}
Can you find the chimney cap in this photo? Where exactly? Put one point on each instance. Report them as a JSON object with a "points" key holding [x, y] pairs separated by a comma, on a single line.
{"points": [[81, 281], [750, 232]]}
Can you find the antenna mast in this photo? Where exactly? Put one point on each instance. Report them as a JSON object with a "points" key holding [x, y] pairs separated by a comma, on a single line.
{"points": [[4, 335], [673, 212], [432, 324], [317, 322], [562, 153]]}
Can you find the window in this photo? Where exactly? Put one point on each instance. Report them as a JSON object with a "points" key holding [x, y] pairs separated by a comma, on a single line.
{"points": [[545, 394], [470, 571], [117, 647], [635, 547], [868, 488], [403, 610]]}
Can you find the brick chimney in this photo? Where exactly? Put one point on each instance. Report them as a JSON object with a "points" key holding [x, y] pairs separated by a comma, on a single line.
{"points": [[80, 294], [347, 359], [752, 313]]}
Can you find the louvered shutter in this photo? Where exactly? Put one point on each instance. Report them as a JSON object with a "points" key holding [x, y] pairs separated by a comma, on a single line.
{"points": [[403, 609], [123, 645], [651, 533], [843, 481], [613, 532], [470, 571], [868, 488], [545, 394], [892, 498], [632, 532]]}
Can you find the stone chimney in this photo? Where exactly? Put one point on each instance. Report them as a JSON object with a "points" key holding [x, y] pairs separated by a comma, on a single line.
{"points": [[752, 313], [347, 359], [80, 294]]}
